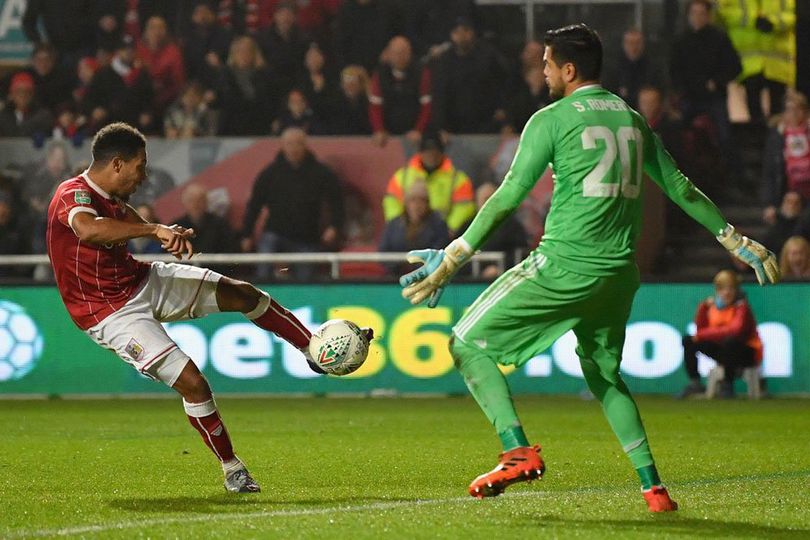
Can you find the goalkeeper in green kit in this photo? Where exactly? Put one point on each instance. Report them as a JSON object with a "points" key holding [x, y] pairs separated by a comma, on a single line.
{"points": [[582, 276]]}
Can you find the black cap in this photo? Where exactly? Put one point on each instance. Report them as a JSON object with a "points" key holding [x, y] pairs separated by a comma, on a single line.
{"points": [[431, 141]]}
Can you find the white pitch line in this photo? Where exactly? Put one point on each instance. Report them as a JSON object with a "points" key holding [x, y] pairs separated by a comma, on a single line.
{"points": [[206, 518]]}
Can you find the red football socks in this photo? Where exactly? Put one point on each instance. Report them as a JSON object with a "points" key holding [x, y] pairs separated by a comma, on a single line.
{"points": [[205, 419], [279, 320]]}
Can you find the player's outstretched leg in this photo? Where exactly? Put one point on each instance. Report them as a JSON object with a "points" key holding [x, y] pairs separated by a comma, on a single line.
{"points": [[203, 415], [519, 461], [623, 416]]}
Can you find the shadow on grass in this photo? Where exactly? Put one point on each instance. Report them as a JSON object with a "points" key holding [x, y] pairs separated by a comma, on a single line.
{"points": [[670, 524], [229, 502]]}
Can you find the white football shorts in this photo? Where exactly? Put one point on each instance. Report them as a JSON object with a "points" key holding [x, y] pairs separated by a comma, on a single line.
{"points": [[171, 292]]}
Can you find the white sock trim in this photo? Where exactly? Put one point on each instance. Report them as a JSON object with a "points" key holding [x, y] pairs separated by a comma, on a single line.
{"points": [[198, 410], [233, 465], [261, 307]]}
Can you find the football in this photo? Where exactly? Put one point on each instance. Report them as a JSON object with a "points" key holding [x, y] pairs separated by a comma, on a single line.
{"points": [[338, 347]]}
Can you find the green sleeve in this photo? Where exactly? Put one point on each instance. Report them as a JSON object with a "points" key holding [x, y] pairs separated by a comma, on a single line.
{"points": [[534, 153], [660, 166]]}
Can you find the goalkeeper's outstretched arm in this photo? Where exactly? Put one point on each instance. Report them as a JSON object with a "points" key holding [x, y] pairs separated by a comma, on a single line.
{"points": [[660, 166]]}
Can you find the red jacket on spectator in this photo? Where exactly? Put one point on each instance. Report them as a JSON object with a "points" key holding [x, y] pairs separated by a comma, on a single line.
{"points": [[166, 69], [735, 321]]}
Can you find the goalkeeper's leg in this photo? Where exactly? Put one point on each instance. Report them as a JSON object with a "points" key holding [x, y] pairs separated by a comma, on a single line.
{"points": [[600, 352], [519, 461]]}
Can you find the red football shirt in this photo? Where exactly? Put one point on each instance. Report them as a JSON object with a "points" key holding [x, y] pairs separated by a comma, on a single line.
{"points": [[94, 280]]}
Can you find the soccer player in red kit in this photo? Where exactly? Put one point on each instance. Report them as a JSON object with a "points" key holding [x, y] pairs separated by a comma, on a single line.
{"points": [[120, 302]]}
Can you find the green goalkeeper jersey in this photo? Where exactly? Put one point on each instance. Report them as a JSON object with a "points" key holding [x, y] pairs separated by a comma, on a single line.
{"points": [[598, 149]]}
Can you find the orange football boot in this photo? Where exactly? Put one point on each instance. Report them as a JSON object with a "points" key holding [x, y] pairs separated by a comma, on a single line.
{"points": [[518, 465], [658, 499]]}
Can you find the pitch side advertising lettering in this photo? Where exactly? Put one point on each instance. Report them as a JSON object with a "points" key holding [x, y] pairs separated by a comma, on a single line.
{"points": [[14, 47], [42, 352]]}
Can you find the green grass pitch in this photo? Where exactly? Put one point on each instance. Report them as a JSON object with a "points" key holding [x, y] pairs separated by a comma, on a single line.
{"points": [[397, 468]]}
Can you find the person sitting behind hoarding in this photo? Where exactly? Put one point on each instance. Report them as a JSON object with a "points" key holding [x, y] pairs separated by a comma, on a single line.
{"points": [[726, 332]]}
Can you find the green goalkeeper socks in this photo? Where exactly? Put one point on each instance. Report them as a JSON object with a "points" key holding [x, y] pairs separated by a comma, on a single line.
{"points": [[649, 477], [488, 386]]}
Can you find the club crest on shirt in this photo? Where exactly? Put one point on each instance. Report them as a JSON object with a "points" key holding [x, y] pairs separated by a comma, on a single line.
{"points": [[82, 197], [134, 349]]}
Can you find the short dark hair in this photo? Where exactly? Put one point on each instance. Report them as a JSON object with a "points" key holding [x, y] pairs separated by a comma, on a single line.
{"points": [[705, 3], [117, 140], [579, 45]]}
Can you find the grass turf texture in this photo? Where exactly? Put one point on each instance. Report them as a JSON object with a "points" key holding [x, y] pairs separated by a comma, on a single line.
{"points": [[362, 468]]}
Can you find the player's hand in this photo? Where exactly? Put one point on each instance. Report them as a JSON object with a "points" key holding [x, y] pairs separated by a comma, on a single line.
{"points": [[438, 267], [176, 240], [751, 253]]}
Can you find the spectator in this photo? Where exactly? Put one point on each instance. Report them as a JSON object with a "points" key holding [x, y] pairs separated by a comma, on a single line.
{"points": [[362, 31], [15, 234], [316, 82], [794, 260], [785, 223], [146, 244], [450, 190], [53, 83], [763, 32], [429, 23], [400, 95], [242, 17], [418, 227], [652, 107], [510, 238], [633, 70], [23, 116], [164, 61], [703, 62], [243, 85], [206, 45], [190, 116], [297, 114], [37, 184], [68, 26], [284, 46], [314, 17], [726, 332], [120, 91], [294, 188], [786, 161], [530, 96], [467, 82], [85, 71], [68, 127], [349, 114], [212, 233]]}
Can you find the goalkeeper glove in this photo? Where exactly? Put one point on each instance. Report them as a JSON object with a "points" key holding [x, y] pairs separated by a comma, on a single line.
{"points": [[438, 267], [751, 253]]}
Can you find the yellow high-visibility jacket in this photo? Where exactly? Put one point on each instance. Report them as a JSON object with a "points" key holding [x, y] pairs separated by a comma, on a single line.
{"points": [[450, 192]]}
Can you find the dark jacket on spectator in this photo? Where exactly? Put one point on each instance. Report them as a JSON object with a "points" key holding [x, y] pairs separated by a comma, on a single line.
{"points": [[36, 122], [630, 76], [429, 21], [349, 116], [212, 235], [508, 238], [698, 57], [432, 233], [198, 43], [285, 57], [125, 99], [69, 24], [363, 31], [523, 104], [467, 90], [295, 198], [400, 102], [246, 111]]}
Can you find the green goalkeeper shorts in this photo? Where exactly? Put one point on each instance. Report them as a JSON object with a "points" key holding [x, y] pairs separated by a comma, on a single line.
{"points": [[535, 302]]}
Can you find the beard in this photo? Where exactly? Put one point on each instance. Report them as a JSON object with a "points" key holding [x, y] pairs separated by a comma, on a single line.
{"points": [[555, 93]]}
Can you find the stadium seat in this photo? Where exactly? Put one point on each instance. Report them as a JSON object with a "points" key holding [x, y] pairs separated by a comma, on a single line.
{"points": [[751, 376]]}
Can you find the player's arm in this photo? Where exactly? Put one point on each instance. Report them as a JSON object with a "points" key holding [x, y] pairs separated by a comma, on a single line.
{"points": [[660, 166], [533, 156], [102, 230]]}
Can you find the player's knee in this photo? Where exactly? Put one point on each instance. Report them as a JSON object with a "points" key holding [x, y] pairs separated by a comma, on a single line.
{"points": [[235, 295]]}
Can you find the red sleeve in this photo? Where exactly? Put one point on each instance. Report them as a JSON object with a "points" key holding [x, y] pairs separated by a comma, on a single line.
{"points": [[178, 72], [71, 201], [735, 329], [425, 102], [375, 103]]}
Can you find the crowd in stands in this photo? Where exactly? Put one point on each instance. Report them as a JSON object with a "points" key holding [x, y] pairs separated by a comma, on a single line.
{"points": [[418, 69]]}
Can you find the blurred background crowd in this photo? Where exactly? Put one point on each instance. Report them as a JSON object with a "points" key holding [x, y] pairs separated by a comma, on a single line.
{"points": [[716, 80]]}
